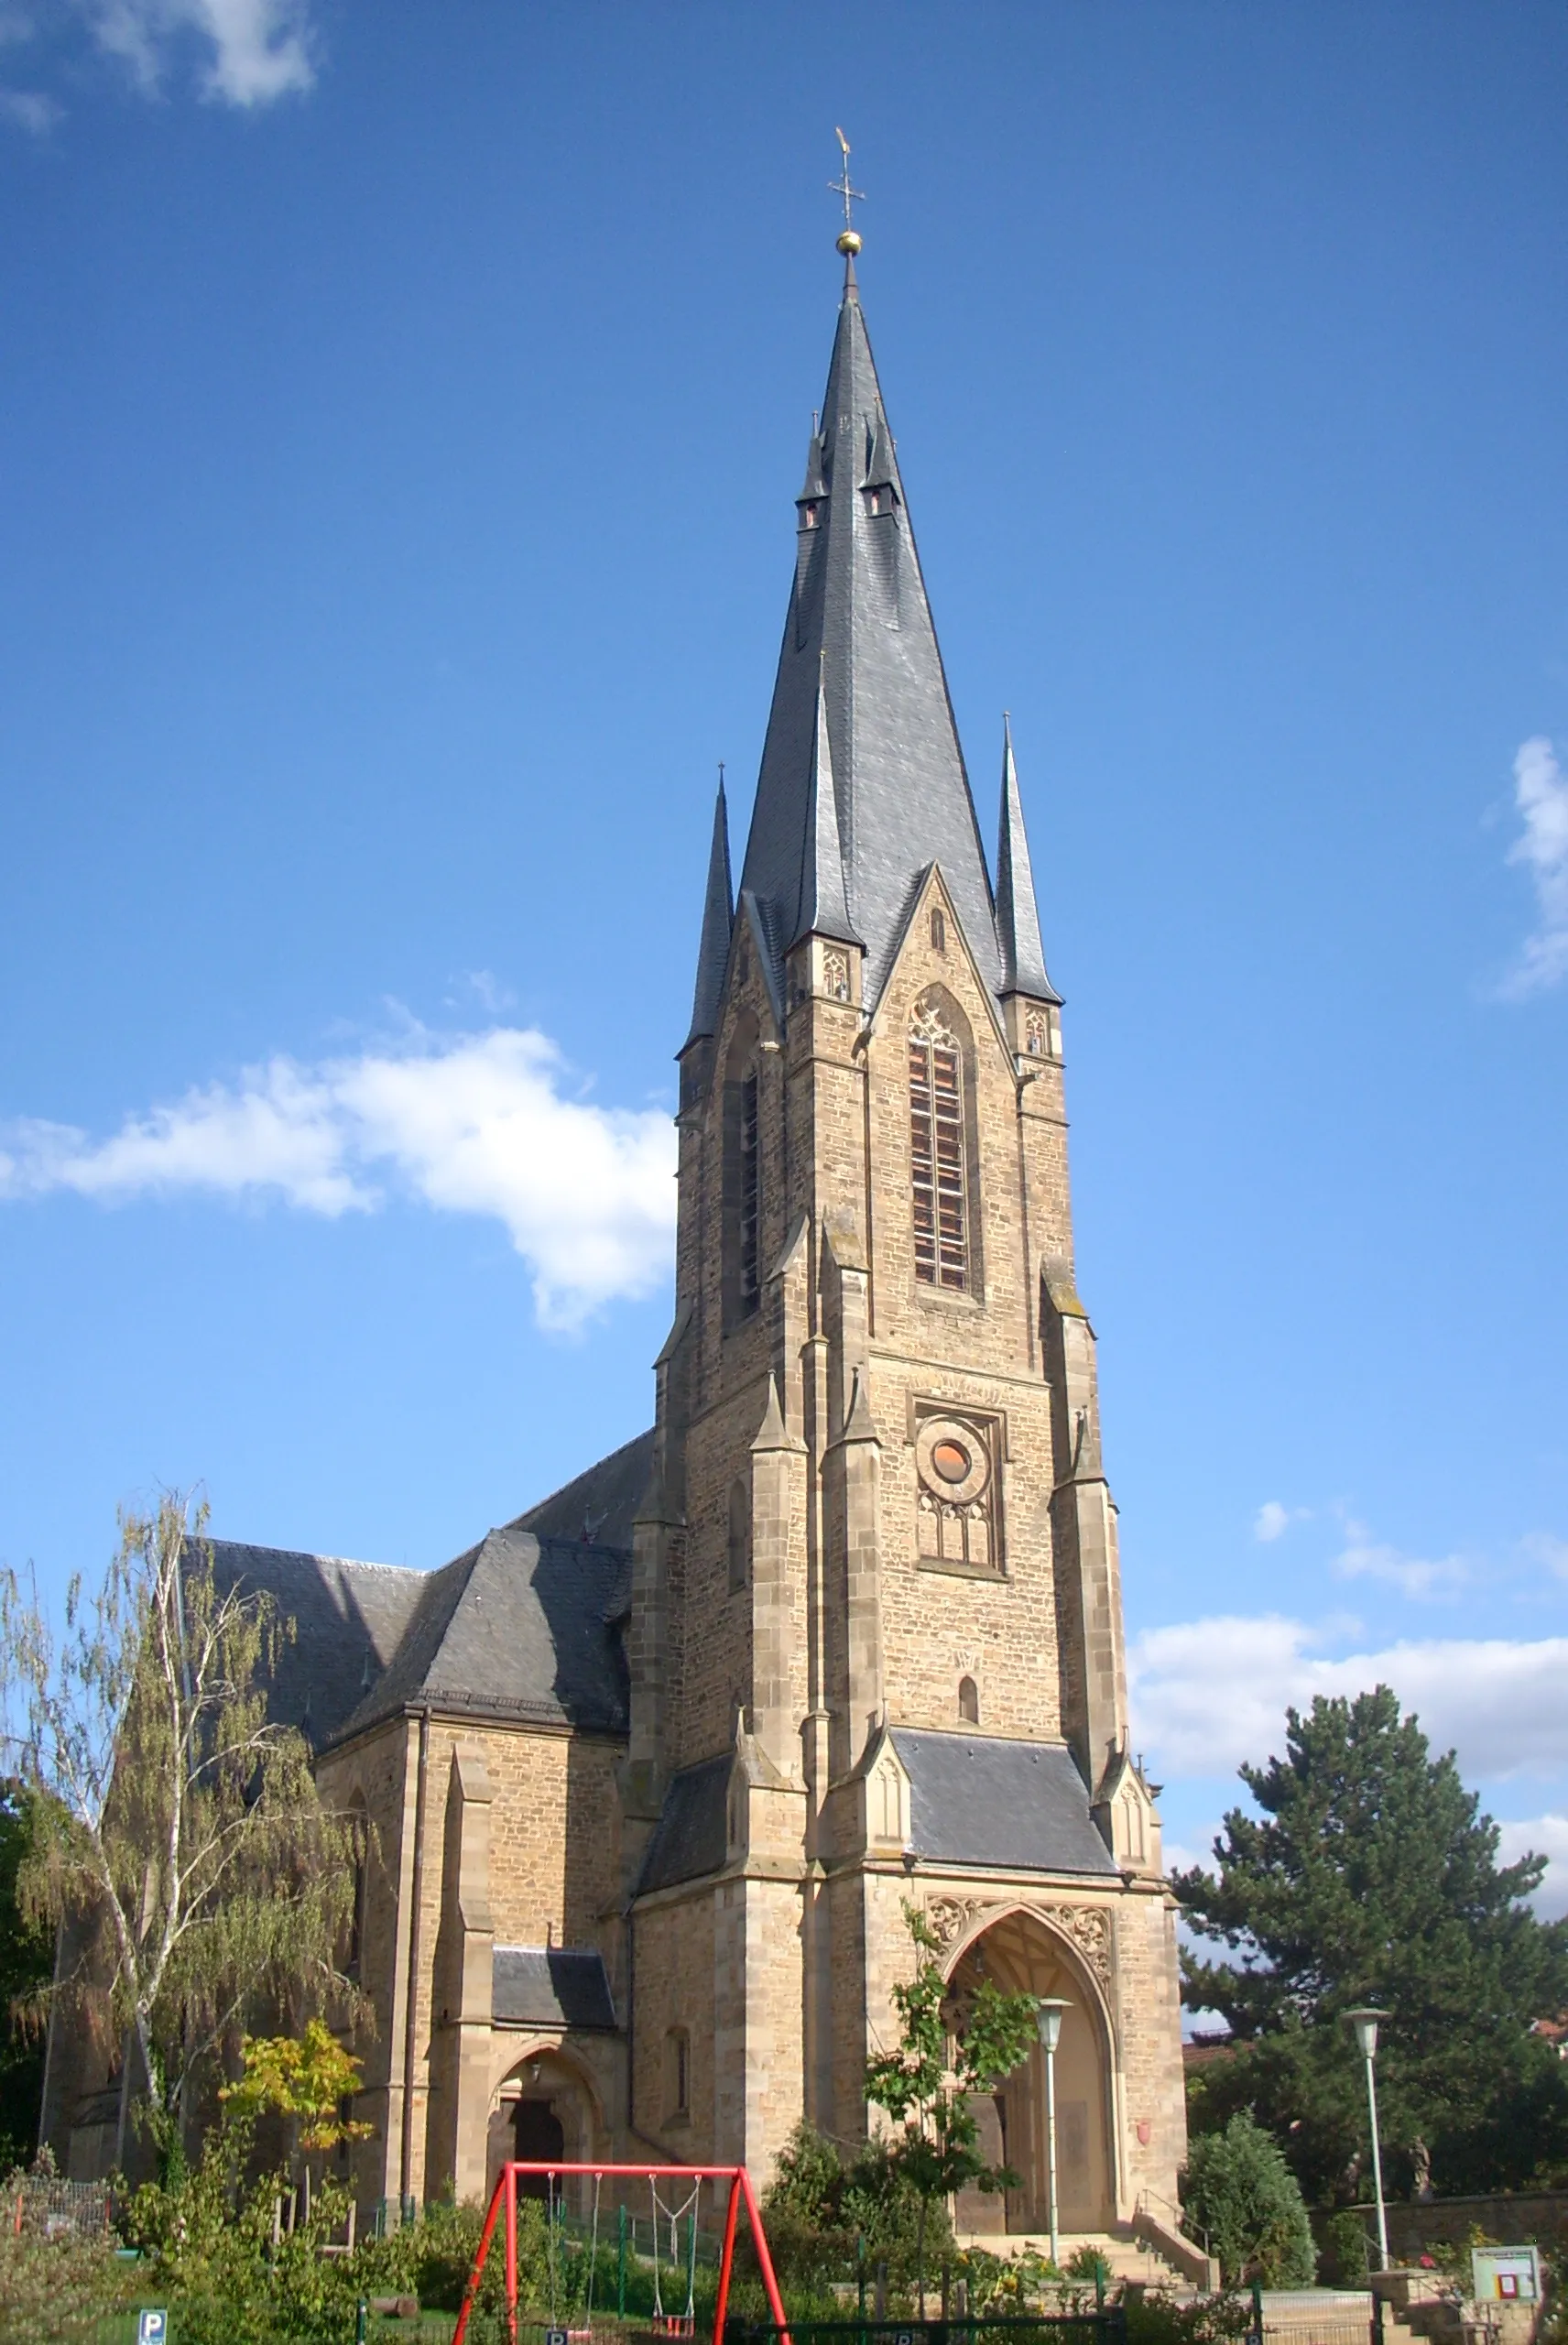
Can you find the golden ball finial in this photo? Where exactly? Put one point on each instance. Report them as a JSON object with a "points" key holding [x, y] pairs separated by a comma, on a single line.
{"points": [[849, 244]]}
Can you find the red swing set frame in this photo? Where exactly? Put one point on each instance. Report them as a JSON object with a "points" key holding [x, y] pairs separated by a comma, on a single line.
{"points": [[504, 2199]]}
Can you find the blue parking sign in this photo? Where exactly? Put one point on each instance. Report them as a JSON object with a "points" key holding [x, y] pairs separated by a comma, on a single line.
{"points": [[152, 2328]]}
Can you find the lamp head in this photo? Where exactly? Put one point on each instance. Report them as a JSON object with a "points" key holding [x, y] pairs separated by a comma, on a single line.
{"points": [[1048, 2019], [1365, 2022]]}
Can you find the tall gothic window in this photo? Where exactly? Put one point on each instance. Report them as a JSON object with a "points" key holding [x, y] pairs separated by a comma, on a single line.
{"points": [[937, 1154], [750, 1287], [742, 1179]]}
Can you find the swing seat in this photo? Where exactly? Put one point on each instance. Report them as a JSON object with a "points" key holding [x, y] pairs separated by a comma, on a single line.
{"points": [[674, 2323]]}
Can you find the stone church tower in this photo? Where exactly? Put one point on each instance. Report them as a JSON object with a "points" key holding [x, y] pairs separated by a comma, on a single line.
{"points": [[650, 1773], [876, 1642]]}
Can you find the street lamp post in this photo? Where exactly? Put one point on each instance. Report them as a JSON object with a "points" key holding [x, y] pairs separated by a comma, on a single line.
{"points": [[1048, 2016], [1365, 2023]]}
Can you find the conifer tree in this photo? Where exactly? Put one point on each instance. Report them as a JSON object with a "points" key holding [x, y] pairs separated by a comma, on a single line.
{"points": [[1370, 1876], [1246, 2201]]}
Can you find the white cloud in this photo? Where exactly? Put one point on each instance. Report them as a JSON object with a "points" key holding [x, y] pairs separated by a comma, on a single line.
{"points": [[1540, 794], [1208, 1694], [1543, 1548], [474, 1124], [488, 991], [1273, 1520], [1546, 1836], [258, 50], [1363, 1557], [29, 110]]}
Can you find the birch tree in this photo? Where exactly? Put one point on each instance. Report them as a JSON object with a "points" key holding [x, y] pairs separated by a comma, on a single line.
{"points": [[181, 1842]]}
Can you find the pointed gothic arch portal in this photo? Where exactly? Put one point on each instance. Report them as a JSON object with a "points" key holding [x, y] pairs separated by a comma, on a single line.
{"points": [[1022, 1954]]}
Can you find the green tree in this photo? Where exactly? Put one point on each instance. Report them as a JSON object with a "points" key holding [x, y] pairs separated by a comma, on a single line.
{"points": [[828, 2219], [1238, 2188], [1369, 1876], [26, 1964], [177, 1828], [935, 2147]]}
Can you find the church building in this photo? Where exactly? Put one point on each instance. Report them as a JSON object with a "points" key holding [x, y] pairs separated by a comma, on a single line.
{"points": [[654, 1769]]}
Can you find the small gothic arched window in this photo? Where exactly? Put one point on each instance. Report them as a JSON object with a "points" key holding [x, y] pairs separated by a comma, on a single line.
{"points": [[938, 929], [678, 2072], [969, 1701], [937, 1154], [739, 1538], [1035, 1033]]}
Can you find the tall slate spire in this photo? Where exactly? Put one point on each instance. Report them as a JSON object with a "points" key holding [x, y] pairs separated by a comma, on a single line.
{"points": [[860, 677], [1017, 914], [822, 910], [718, 919]]}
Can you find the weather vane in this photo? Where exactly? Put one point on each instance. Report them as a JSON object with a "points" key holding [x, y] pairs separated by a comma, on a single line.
{"points": [[849, 242]]}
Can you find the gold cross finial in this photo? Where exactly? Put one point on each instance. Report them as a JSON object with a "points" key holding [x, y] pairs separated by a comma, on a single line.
{"points": [[849, 242]]}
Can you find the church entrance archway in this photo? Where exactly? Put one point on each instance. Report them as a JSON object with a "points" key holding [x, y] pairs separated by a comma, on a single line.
{"points": [[1022, 1954], [537, 2132], [544, 2110]]}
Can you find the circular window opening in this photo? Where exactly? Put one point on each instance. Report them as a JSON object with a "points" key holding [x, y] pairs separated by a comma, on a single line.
{"points": [[952, 1460]]}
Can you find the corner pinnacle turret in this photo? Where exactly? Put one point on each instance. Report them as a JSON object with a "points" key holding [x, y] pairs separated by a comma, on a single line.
{"points": [[718, 922], [1017, 914]]}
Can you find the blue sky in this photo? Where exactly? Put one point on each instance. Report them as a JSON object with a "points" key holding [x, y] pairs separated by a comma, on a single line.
{"points": [[400, 412]]}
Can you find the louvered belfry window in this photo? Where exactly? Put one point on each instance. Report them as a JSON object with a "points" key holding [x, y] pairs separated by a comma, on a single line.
{"points": [[936, 1132], [750, 1285]]}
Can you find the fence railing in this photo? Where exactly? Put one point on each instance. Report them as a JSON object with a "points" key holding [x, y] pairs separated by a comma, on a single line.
{"points": [[47, 2204], [1099, 2325]]}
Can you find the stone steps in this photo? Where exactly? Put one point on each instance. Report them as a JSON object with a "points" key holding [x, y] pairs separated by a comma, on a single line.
{"points": [[1130, 2258]]}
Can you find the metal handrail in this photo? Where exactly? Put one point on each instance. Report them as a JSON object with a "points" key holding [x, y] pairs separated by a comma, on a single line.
{"points": [[1149, 2199]]}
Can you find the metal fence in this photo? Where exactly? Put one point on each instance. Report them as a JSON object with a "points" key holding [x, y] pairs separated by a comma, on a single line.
{"points": [[44, 2204], [1103, 2325]]}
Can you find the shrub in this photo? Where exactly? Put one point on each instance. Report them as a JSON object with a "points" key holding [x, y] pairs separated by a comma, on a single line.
{"points": [[1239, 2190], [1158, 2319], [56, 2287], [827, 2221], [207, 2237], [1346, 2261]]}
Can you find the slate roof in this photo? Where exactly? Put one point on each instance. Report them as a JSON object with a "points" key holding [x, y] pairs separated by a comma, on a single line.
{"points": [[860, 627], [551, 1986], [349, 1619], [601, 1505], [691, 1836], [518, 1629], [977, 1800], [523, 1627]]}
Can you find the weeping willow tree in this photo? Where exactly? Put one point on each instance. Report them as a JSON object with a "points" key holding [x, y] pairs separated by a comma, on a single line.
{"points": [[181, 1848]]}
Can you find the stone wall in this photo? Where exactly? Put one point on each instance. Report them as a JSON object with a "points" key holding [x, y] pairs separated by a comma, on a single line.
{"points": [[553, 1858], [1513, 2219]]}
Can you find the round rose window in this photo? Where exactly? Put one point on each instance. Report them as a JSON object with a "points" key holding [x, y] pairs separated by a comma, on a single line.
{"points": [[952, 1460]]}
